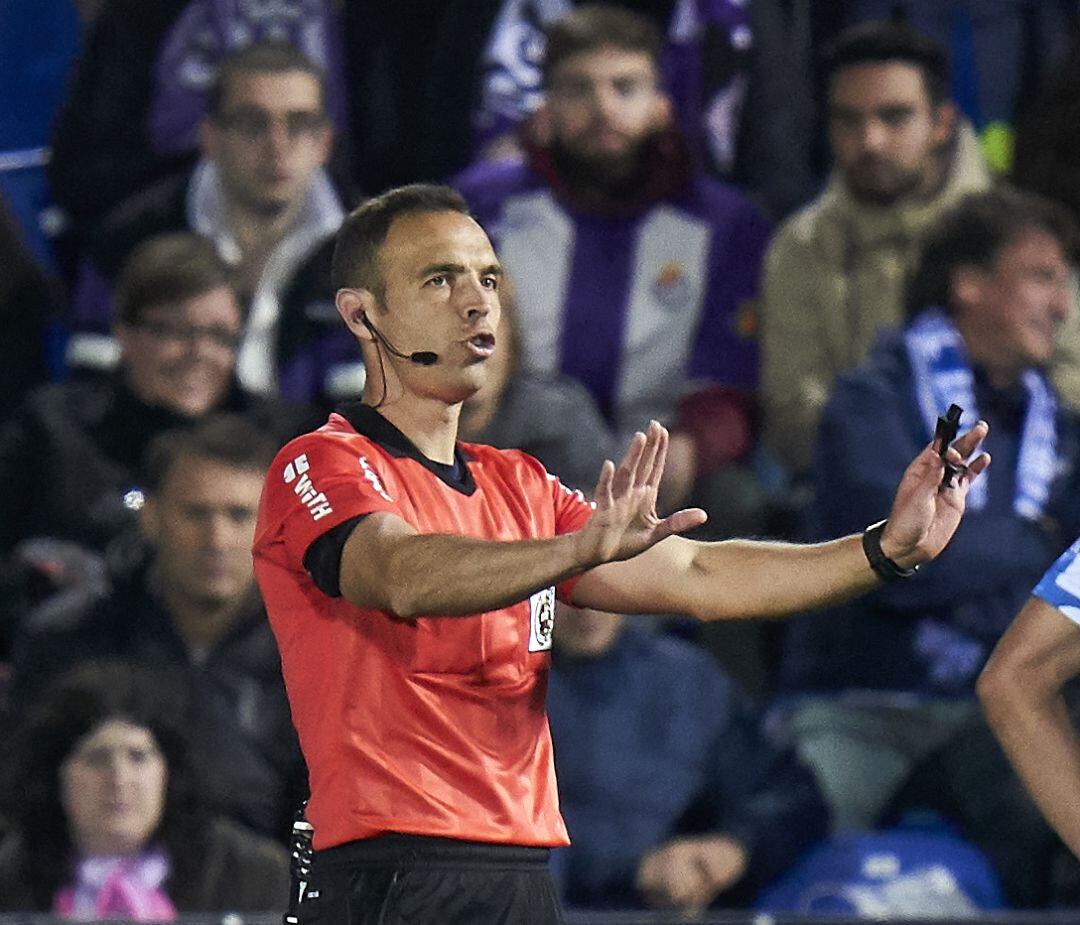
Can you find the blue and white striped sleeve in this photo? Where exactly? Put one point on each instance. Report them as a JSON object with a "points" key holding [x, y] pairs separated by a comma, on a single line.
{"points": [[1060, 586]]}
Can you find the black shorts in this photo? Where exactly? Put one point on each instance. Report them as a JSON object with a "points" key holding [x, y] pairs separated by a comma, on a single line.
{"points": [[416, 880]]}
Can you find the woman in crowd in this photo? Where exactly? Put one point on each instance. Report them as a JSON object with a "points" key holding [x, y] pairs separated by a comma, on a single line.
{"points": [[108, 819]]}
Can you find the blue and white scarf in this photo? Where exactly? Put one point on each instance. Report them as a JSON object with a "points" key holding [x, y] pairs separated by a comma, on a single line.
{"points": [[943, 376]]}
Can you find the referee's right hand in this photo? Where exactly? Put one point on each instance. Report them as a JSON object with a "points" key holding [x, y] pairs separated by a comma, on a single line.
{"points": [[626, 523]]}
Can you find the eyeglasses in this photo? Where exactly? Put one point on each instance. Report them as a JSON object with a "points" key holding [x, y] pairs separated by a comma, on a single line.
{"points": [[254, 124], [189, 334]]}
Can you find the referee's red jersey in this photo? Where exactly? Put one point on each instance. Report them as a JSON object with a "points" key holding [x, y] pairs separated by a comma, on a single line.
{"points": [[432, 726]]}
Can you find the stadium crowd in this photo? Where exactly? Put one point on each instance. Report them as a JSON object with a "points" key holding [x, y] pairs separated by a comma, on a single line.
{"points": [[793, 233]]}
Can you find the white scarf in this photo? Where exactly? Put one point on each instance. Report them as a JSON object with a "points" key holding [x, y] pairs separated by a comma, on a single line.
{"points": [[943, 376]]}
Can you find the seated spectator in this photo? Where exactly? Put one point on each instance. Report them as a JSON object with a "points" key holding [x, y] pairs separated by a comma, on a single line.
{"points": [[261, 194], [550, 417], [835, 271], [674, 795], [881, 683], [69, 457], [186, 607], [1002, 52], [737, 73], [109, 818], [132, 113], [632, 273]]}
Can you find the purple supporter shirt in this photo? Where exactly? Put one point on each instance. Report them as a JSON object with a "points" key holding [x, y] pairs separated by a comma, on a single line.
{"points": [[705, 65], [639, 310]]}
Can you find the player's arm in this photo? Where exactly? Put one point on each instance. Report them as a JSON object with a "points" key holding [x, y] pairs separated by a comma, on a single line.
{"points": [[742, 579], [1020, 689], [387, 564]]}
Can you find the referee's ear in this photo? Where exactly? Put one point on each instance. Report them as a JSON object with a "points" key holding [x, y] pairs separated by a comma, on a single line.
{"points": [[353, 306]]}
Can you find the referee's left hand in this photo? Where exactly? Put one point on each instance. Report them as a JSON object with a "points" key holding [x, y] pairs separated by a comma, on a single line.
{"points": [[625, 522], [925, 514]]}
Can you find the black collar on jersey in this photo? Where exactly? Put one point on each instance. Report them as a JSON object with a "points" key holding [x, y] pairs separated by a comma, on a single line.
{"points": [[365, 420]]}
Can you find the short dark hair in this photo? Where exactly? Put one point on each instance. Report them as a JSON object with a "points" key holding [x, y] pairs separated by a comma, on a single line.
{"points": [[593, 26], [356, 250], [265, 57], [73, 706], [164, 269], [881, 42], [231, 439], [973, 233]]}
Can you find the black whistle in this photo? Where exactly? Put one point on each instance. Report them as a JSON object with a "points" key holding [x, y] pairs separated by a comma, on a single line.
{"points": [[944, 434]]}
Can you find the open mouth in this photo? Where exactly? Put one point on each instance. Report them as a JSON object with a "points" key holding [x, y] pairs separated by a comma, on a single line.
{"points": [[482, 344]]}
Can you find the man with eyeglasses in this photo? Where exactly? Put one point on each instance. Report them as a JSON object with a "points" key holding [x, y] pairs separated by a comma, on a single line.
{"points": [[69, 457], [261, 194]]}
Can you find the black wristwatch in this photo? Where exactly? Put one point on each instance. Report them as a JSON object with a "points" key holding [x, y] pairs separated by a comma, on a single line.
{"points": [[883, 566]]}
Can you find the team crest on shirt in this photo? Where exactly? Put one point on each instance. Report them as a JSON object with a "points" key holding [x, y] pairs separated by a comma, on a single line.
{"points": [[672, 286], [541, 619], [746, 321]]}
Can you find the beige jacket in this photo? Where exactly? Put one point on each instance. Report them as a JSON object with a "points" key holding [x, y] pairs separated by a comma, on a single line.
{"points": [[834, 274]]}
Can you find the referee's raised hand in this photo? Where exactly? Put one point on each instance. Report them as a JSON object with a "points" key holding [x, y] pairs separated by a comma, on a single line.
{"points": [[626, 522], [927, 509]]}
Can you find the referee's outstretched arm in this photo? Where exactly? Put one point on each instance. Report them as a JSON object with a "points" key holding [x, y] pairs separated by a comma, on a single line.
{"points": [[632, 561]]}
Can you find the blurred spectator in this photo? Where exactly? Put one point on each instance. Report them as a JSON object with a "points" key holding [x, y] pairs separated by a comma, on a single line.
{"points": [[880, 683], [187, 607], [138, 93], [550, 417], [69, 456], [835, 270], [29, 306], [737, 72], [673, 793], [632, 274], [1001, 52], [108, 816], [260, 193]]}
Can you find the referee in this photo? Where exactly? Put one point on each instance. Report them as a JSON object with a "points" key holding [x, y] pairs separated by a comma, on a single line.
{"points": [[410, 580]]}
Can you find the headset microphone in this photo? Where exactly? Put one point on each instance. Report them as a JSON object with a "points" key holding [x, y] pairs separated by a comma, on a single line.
{"points": [[419, 357]]}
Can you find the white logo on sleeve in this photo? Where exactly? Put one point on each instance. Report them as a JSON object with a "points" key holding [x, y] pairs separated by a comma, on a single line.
{"points": [[372, 476], [541, 619], [316, 502], [576, 493]]}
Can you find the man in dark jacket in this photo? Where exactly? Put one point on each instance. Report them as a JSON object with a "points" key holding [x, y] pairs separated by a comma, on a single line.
{"points": [[880, 683], [189, 609], [669, 803], [69, 457]]}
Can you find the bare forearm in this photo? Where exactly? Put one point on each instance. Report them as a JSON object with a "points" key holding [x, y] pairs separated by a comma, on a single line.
{"points": [[733, 579], [445, 575], [1020, 689], [747, 579], [1042, 745]]}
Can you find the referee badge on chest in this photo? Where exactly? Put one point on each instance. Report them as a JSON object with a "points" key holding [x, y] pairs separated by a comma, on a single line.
{"points": [[541, 619]]}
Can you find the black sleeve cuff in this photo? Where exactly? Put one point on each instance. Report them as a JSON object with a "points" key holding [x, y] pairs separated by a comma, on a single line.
{"points": [[323, 557]]}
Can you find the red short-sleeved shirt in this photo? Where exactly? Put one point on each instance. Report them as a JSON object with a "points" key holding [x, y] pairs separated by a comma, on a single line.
{"points": [[433, 726]]}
